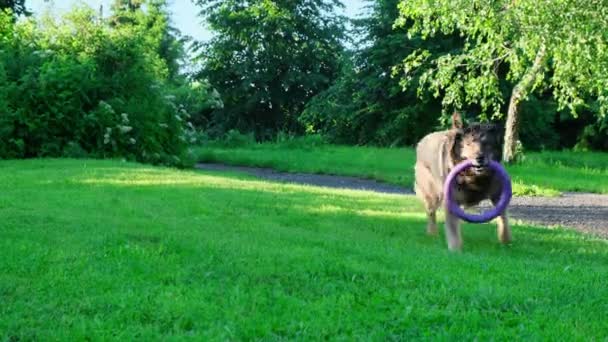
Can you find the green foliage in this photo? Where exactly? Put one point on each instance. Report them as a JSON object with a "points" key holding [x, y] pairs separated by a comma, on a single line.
{"points": [[538, 131], [17, 7], [267, 59], [544, 127], [78, 87], [594, 136], [234, 138], [503, 39], [166, 38], [100, 250], [366, 105], [310, 141], [199, 99]]}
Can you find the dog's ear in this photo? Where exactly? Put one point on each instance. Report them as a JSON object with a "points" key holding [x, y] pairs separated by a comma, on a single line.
{"points": [[455, 145], [456, 120]]}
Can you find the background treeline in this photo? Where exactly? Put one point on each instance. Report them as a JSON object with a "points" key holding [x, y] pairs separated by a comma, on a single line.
{"points": [[288, 66], [117, 87]]}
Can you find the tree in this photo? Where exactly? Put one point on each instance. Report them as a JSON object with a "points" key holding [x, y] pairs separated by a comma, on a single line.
{"points": [[122, 7], [123, 12], [366, 104], [16, 6], [155, 23], [554, 45], [268, 58]]}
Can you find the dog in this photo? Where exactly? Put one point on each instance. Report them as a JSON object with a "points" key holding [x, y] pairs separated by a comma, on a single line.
{"points": [[436, 155]]}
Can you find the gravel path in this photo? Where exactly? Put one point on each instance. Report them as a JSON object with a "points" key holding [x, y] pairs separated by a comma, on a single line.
{"points": [[582, 211]]}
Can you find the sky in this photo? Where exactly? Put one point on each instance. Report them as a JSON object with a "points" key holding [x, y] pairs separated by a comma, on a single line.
{"points": [[184, 12]]}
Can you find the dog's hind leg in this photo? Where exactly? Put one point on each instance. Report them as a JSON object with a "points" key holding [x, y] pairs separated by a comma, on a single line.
{"points": [[452, 232], [427, 191]]}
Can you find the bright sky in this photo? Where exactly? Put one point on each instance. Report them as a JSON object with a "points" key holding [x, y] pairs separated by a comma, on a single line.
{"points": [[184, 12]]}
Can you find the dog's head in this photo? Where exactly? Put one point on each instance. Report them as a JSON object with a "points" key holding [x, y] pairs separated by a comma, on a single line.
{"points": [[477, 142]]}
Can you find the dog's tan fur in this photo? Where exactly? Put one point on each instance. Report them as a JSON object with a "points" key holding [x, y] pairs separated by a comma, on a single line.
{"points": [[436, 155]]}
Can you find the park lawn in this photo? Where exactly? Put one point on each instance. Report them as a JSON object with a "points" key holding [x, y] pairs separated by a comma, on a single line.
{"points": [[541, 173], [104, 250]]}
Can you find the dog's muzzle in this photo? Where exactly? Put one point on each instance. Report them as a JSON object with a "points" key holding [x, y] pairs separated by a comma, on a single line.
{"points": [[480, 165]]}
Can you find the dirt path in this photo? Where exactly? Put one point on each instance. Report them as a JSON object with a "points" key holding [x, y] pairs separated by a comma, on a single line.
{"points": [[582, 211]]}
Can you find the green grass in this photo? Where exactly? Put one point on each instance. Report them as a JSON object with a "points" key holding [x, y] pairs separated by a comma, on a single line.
{"points": [[101, 250], [542, 173]]}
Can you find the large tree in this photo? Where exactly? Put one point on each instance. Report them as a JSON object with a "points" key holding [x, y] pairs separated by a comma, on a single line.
{"points": [[268, 58], [155, 22], [558, 46], [366, 104]]}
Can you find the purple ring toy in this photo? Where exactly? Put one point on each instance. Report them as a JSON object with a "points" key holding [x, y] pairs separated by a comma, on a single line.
{"points": [[505, 195]]}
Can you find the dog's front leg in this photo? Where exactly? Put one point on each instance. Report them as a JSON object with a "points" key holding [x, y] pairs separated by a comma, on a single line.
{"points": [[452, 232], [502, 229], [431, 227]]}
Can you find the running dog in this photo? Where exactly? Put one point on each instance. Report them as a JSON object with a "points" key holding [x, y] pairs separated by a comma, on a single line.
{"points": [[436, 155]]}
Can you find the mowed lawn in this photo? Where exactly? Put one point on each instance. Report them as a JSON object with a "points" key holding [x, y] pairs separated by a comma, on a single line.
{"points": [[103, 250], [541, 173]]}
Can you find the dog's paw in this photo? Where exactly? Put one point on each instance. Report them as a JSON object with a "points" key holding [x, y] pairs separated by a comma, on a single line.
{"points": [[455, 248]]}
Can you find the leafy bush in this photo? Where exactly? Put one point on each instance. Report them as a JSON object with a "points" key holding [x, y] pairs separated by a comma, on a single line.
{"points": [[594, 136], [544, 127], [79, 87], [199, 99], [234, 138]]}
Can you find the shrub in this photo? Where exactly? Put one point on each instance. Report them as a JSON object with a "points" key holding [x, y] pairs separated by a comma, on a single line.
{"points": [[79, 87], [538, 131], [594, 136], [234, 138]]}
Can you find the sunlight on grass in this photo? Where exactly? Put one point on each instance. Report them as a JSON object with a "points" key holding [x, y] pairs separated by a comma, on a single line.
{"points": [[143, 178], [521, 189], [332, 209]]}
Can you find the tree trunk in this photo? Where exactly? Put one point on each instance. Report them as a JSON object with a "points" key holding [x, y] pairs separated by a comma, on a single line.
{"points": [[512, 126], [519, 93]]}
